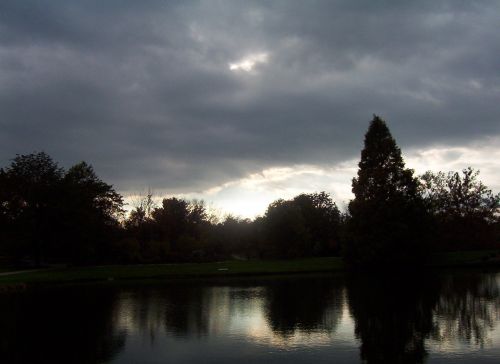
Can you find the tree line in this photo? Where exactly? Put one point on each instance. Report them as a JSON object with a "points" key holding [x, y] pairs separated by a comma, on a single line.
{"points": [[49, 215]]}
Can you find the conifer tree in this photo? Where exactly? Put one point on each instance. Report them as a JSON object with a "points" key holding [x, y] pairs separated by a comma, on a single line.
{"points": [[387, 222]]}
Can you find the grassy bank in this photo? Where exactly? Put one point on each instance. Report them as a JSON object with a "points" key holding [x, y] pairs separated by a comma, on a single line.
{"points": [[164, 271], [466, 258], [222, 269]]}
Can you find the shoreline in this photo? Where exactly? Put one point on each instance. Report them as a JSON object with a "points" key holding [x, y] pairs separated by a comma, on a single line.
{"points": [[225, 269]]}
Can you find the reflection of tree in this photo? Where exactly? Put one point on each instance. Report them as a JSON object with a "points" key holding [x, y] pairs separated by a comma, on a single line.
{"points": [[393, 317], [185, 312], [304, 304], [177, 308], [60, 326], [468, 307]]}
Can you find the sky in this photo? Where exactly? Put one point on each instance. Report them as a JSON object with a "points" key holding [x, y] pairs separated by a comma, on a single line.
{"points": [[240, 103]]}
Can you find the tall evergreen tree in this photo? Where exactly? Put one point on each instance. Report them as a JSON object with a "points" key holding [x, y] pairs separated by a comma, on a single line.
{"points": [[388, 218]]}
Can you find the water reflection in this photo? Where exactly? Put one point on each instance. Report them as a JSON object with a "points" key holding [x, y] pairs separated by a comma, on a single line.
{"points": [[60, 326], [468, 308], [393, 316], [300, 319], [304, 304]]}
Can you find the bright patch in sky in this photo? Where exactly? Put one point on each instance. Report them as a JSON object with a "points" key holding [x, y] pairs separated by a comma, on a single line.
{"points": [[249, 196], [248, 63]]}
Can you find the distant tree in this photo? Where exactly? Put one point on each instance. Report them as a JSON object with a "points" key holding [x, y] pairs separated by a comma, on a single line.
{"points": [[29, 199], [387, 215], [142, 231], [49, 215], [285, 230], [181, 224], [322, 219], [233, 237], [93, 193], [5, 223], [92, 210], [466, 212], [143, 211], [307, 225]]}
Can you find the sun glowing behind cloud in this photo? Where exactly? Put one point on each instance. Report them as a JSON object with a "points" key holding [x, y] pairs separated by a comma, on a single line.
{"points": [[249, 62], [249, 196]]}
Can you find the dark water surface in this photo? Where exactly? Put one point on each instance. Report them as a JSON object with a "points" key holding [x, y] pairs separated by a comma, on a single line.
{"points": [[440, 318]]}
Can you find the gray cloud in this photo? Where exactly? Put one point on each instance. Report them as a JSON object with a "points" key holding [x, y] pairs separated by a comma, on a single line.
{"points": [[143, 90]]}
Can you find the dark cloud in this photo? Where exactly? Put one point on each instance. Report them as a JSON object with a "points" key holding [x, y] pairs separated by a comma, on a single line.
{"points": [[143, 90]]}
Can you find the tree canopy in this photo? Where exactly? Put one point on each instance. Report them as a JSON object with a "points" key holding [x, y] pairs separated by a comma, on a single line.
{"points": [[53, 215], [466, 213], [307, 225]]}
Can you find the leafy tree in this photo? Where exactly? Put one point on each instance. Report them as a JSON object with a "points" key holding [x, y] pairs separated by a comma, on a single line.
{"points": [[49, 215], [387, 215], [181, 223], [92, 193], [285, 230], [92, 209], [307, 225], [143, 211], [29, 198], [322, 219], [142, 242], [233, 237], [466, 212]]}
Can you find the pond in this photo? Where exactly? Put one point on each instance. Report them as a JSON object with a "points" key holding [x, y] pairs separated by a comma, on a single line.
{"points": [[450, 317]]}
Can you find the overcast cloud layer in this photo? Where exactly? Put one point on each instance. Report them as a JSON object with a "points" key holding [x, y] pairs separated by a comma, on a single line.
{"points": [[183, 96]]}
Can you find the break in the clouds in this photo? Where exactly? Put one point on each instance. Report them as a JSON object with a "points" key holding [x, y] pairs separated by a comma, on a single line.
{"points": [[200, 97]]}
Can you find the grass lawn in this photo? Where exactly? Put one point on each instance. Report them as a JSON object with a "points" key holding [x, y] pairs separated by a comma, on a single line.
{"points": [[466, 258], [160, 271], [225, 269]]}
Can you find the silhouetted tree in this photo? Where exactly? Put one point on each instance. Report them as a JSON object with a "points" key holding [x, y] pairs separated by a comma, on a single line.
{"points": [[466, 212], [307, 225], [143, 234], [54, 216], [286, 233], [387, 215], [322, 220], [181, 224], [92, 209], [233, 237], [30, 196]]}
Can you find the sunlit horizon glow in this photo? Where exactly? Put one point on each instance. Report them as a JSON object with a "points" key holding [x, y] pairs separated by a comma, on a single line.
{"points": [[249, 196]]}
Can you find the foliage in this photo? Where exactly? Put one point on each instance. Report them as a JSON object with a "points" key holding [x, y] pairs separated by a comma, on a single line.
{"points": [[50, 215], [466, 212], [307, 225], [30, 192], [44, 207], [171, 232], [387, 217], [235, 237], [286, 233], [92, 209]]}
